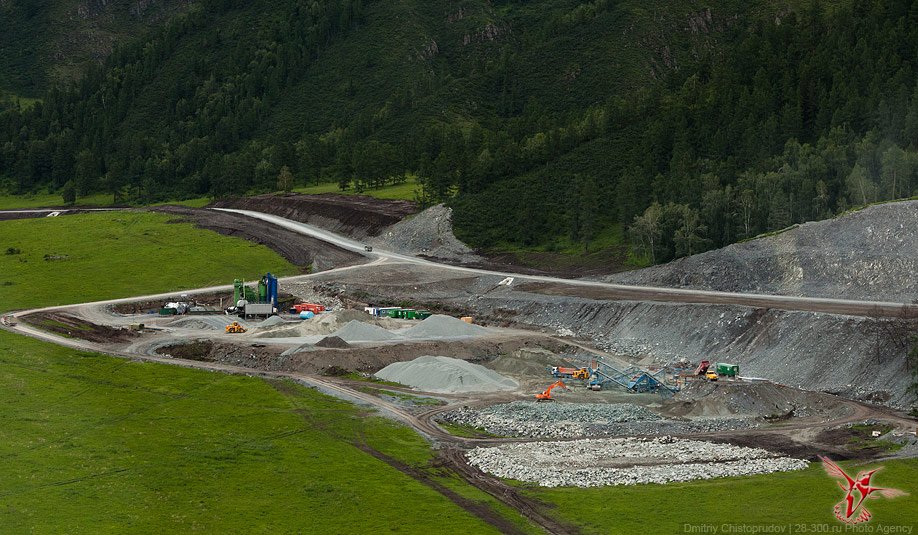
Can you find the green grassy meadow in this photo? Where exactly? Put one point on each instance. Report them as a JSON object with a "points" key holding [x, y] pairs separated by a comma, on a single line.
{"points": [[804, 498], [86, 257], [94, 444]]}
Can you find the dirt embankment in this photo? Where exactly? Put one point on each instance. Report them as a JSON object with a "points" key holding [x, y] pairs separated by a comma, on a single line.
{"points": [[74, 327], [357, 216], [870, 254], [367, 359], [298, 249]]}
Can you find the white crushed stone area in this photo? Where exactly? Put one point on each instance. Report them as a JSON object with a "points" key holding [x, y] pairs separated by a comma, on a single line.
{"points": [[445, 375], [572, 420], [625, 461]]}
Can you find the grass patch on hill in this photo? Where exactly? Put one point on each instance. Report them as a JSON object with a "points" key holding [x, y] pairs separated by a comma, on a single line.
{"points": [[94, 443], [86, 257], [42, 200], [803, 498], [404, 191]]}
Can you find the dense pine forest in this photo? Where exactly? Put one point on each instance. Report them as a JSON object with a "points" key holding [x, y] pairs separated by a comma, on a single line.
{"points": [[552, 124]]}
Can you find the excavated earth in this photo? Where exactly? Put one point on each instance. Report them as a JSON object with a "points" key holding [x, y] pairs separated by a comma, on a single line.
{"points": [[366, 359], [303, 251], [357, 216]]}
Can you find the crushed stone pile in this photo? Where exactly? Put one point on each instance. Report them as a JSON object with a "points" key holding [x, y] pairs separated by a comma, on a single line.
{"points": [[429, 233], [273, 321], [869, 254], [445, 375], [358, 331], [547, 420], [324, 324], [603, 462], [333, 342], [573, 420], [441, 326]]}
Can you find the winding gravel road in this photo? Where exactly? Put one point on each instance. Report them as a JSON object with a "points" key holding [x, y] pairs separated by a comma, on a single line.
{"points": [[618, 291]]}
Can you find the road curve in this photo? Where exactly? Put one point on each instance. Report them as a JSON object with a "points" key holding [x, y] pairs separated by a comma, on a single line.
{"points": [[619, 291]]}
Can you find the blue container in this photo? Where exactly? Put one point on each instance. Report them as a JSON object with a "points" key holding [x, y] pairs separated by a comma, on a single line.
{"points": [[306, 315]]}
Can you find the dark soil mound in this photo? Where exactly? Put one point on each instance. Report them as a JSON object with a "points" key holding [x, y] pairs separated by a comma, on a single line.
{"points": [[333, 342]]}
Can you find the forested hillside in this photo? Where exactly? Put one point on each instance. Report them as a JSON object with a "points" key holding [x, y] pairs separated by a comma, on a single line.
{"points": [[552, 124], [55, 41]]}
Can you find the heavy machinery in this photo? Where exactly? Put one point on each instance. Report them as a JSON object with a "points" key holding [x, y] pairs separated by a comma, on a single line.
{"points": [[632, 379], [234, 327], [307, 307], [728, 370], [546, 395], [262, 301], [576, 373], [711, 375], [702, 368]]}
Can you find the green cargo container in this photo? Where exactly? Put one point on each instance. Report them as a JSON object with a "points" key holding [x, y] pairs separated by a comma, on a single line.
{"points": [[730, 370], [167, 311], [423, 314], [395, 313], [410, 314]]}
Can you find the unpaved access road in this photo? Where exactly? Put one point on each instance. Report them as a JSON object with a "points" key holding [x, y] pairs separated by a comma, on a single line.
{"points": [[609, 291]]}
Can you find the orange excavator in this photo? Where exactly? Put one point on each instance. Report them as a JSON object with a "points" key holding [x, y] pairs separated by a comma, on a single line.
{"points": [[546, 396]]}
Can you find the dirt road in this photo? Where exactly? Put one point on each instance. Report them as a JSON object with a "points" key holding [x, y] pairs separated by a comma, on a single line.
{"points": [[608, 291]]}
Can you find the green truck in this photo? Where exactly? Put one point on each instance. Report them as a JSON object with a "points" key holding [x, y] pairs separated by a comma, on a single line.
{"points": [[408, 313], [729, 370]]}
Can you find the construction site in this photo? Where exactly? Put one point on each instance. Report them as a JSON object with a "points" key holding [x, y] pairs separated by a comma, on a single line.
{"points": [[532, 377]]}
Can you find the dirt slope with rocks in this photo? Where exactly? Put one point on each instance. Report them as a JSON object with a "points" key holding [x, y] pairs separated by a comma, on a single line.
{"points": [[429, 234], [871, 254], [357, 216]]}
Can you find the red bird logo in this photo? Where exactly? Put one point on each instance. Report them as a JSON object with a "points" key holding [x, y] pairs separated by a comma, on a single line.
{"points": [[845, 510]]}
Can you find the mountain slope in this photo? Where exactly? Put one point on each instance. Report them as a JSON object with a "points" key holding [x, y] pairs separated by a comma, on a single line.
{"points": [[549, 125]]}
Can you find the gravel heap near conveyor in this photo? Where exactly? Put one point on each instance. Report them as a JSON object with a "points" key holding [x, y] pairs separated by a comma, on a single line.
{"points": [[445, 375], [625, 461]]}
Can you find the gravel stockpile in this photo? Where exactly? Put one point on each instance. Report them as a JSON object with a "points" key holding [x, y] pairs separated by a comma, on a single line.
{"points": [[441, 326], [429, 233], [445, 375], [358, 331], [869, 254], [603, 462], [274, 321], [572, 420]]}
